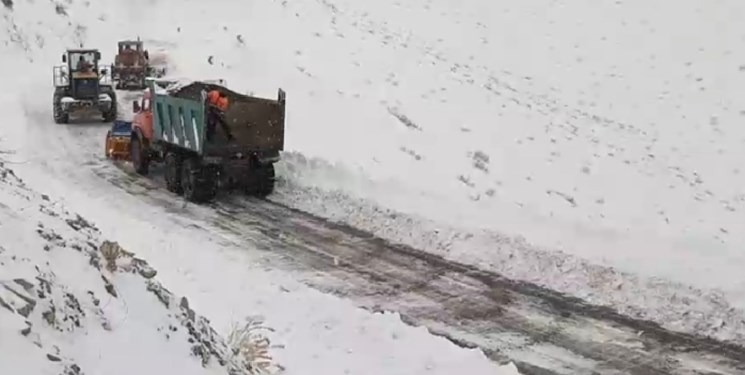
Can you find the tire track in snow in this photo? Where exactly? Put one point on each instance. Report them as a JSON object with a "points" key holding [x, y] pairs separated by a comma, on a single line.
{"points": [[542, 331]]}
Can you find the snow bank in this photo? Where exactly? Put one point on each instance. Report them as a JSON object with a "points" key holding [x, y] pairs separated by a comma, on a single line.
{"points": [[309, 184], [72, 303]]}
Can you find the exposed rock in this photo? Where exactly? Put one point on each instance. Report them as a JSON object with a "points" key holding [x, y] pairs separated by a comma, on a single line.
{"points": [[53, 358], [45, 287], [20, 303], [26, 330], [79, 223], [6, 305], [72, 370], [163, 295], [25, 311], [109, 287], [50, 316], [25, 284], [144, 269], [190, 315]]}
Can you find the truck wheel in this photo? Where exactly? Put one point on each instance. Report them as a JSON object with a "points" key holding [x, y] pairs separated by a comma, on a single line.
{"points": [[139, 159], [261, 182], [173, 173], [198, 182], [209, 180]]}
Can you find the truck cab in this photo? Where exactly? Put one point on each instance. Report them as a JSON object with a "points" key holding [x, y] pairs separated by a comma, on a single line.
{"points": [[143, 116]]}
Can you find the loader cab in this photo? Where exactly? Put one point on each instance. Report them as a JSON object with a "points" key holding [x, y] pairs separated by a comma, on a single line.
{"points": [[84, 74], [133, 47], [129, 45]]}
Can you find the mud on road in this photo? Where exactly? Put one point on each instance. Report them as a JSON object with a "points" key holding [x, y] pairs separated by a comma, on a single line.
{"points": [[541, 331]]}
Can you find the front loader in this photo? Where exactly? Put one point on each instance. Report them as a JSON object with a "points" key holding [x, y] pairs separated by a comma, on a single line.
{"points": [[80, 86]]}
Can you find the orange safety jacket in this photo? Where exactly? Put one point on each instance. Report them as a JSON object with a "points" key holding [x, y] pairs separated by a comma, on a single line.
{"points": [[214, 98]]}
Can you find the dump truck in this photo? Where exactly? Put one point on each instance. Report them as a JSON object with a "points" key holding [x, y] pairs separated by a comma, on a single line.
{"points": [[80, 86], [170, 126]]}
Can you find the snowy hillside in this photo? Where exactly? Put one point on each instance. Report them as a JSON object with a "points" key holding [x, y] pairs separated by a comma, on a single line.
{"points": [[72, 304], [591, 147], [544, 141], [223, 281]]}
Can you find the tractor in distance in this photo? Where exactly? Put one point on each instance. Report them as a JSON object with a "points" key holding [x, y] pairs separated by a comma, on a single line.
{"points": [[80, 86], [132, 65]]}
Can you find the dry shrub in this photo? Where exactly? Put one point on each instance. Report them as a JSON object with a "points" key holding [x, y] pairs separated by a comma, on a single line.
{"points": [[250, 347], [111, 252]]}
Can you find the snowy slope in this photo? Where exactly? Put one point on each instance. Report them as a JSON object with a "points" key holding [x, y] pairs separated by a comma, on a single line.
{"points": [[589, 147], [224, 282], [72, 304], [543, 141], [60, 300]]}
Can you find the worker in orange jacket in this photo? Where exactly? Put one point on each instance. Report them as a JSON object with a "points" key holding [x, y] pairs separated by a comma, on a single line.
{"points": [[217, 104]]}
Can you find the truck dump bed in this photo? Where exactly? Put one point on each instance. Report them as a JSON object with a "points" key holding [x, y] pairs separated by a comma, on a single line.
{"points": [[179, 117]]}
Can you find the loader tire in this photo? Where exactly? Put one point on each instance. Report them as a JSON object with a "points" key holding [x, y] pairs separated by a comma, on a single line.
{"points": [[173, 169], [261, 182], [199, 183], [110, 115], [139, 157], [59, 114], [107, 143]]}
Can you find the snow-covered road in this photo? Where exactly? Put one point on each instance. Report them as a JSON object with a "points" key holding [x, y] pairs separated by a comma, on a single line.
{"points": [[539, 330], [542, 331]]}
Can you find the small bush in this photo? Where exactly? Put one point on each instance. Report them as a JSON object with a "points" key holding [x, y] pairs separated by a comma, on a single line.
{"points": [[251, 348], [111, 252]]}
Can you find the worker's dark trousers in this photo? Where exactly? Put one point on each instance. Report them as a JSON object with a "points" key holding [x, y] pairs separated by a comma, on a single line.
{"points": [[213, 117]]}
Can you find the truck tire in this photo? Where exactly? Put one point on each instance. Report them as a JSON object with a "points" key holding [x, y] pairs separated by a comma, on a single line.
{"points": [[261, 182], [139, 156], [199, 183], [173, 166]]}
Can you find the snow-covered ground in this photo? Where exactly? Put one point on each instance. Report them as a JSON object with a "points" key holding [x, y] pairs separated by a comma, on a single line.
{"points": [[223, 282], [72, 302], [588, 147], [591, 147]]}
